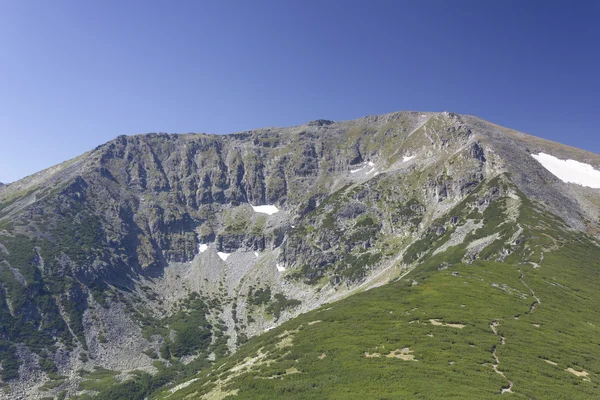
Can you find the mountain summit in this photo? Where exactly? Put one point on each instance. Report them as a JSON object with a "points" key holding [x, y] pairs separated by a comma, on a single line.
{"points": [[154, 258]]}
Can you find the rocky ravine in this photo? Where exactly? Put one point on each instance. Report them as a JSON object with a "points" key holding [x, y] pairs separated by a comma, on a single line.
{"points": [[102, 256]]}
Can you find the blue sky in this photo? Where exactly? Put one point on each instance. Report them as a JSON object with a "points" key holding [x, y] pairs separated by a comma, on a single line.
{"points": [[75, 74]]}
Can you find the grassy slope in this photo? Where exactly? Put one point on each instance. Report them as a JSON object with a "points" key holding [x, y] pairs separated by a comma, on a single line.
{"points": [[300, 360]]}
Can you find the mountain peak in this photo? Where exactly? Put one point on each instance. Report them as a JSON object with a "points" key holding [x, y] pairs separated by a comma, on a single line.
{"points": [[186, 245]]}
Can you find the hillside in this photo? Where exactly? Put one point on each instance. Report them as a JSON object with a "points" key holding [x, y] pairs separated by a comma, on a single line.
{"points": [[155, 257], [453, 328]]}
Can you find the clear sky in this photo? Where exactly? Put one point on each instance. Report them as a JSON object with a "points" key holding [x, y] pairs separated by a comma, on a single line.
{"points": [[75, 74]]}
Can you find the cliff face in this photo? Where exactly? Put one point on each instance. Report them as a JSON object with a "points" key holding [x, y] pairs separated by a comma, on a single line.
{"points": [[116, 246]]}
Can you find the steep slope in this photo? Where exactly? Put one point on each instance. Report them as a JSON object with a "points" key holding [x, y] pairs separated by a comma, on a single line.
{"points": [[159, 250], [522, 323]]}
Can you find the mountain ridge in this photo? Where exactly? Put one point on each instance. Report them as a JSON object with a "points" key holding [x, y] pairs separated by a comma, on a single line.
{"points": [[106, 254], [591, 157]]}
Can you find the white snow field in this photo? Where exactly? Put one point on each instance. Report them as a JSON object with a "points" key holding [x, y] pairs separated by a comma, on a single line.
{"points": [[266, 209], [223, 256], [570, 171], [202, 247], [280, 268], [407, 158]]}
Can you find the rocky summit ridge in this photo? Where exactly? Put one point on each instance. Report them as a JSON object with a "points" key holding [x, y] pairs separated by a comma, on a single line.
{"points": [[173, 250]]}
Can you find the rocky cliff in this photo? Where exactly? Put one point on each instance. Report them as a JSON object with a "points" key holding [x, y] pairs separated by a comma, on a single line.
{"points": [[118, 258]]}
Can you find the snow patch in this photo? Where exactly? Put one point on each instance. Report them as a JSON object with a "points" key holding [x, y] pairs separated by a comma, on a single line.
{"points": [[202, 247], [370, 163], [223, 256], [407, 158], [268, 209], [353, 171], [570, 171], [256, 253], [280, 268]]}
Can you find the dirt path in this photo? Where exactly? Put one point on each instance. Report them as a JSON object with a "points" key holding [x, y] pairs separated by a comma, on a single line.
{"points": [[494, 327], [537, 299]]}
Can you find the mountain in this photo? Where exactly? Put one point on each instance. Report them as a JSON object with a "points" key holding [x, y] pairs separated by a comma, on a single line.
{"points": [[152, 259]]}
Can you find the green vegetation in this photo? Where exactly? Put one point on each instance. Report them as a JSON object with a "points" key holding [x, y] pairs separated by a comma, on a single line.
{"points": [[274, 304], [281, 303], [193, 333], [451, 362], [349, 228], [355, 266], [52, 384], [13, 198], [98, 379], [9, 361], [29, 303], [259, 226], [24, 290], [260, 296], [141, 384], [431, 335], [495, 220], [46, 363]]}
